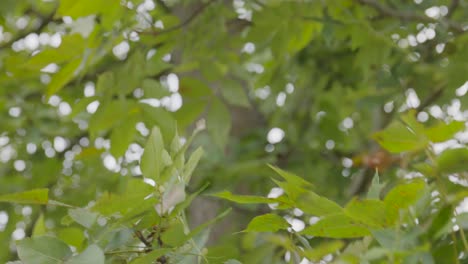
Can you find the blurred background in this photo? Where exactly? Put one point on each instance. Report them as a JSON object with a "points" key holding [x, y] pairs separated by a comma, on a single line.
{"points": [[300, 84]]}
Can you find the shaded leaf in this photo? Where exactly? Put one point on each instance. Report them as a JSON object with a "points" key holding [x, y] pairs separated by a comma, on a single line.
{"points": [[122, 135], [192, 164], [152, 256], [219, 123], [61, 78], [440, 221], [83, 217], [92, 254], [152, 160], [376, 187], [43, 250]]}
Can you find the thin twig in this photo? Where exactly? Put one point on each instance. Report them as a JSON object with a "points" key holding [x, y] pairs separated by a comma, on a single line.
{"points": [[163, 6], [410, 16], [430, 99], [453, 6], [187, 21]]}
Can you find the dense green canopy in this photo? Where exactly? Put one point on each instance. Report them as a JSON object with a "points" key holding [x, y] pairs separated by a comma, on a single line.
{"points": [[140, 131]]}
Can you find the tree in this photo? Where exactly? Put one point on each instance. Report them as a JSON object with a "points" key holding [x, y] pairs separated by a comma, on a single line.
{"points": [[335, 130]]}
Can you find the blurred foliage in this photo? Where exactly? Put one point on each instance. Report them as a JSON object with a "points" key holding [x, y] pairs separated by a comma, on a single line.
{"points": [[129, 128]]}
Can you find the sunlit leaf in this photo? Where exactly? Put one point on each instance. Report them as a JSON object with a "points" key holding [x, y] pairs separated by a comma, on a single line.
{"points": [[336, 226], [267, 223], [369, 212], [290, 177], [453, 160], [37, 196], [243, 199], [403, 196], [317, 205], [398, 137]]}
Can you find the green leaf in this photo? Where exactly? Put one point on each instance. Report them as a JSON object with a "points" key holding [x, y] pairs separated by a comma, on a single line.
{"points": [[154, 89], [398, 137], [39, 227], [403, 196], [152, 256], [314, 204], [63, 76], [336, 226], [291, 178], [192, 164], [219, 123], [92, 254], [36, 196], [71, 45], [161, 118], [267, 223], [376, 187], [105, 83], [243, 199], [440, 221], [453, 160], [152, 159], [175, 235], [135, 196], [108, 114], [370, 212], [83, 217], [323, 249], [73, 236], [84, 8], [122, 135], [442, 131], [233, 92], [43, 250]]}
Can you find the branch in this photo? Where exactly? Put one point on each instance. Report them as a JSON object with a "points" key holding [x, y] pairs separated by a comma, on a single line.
{"points": [[453, 6], [430, 99], [187, 21], [163, 6], [410, 16]]}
